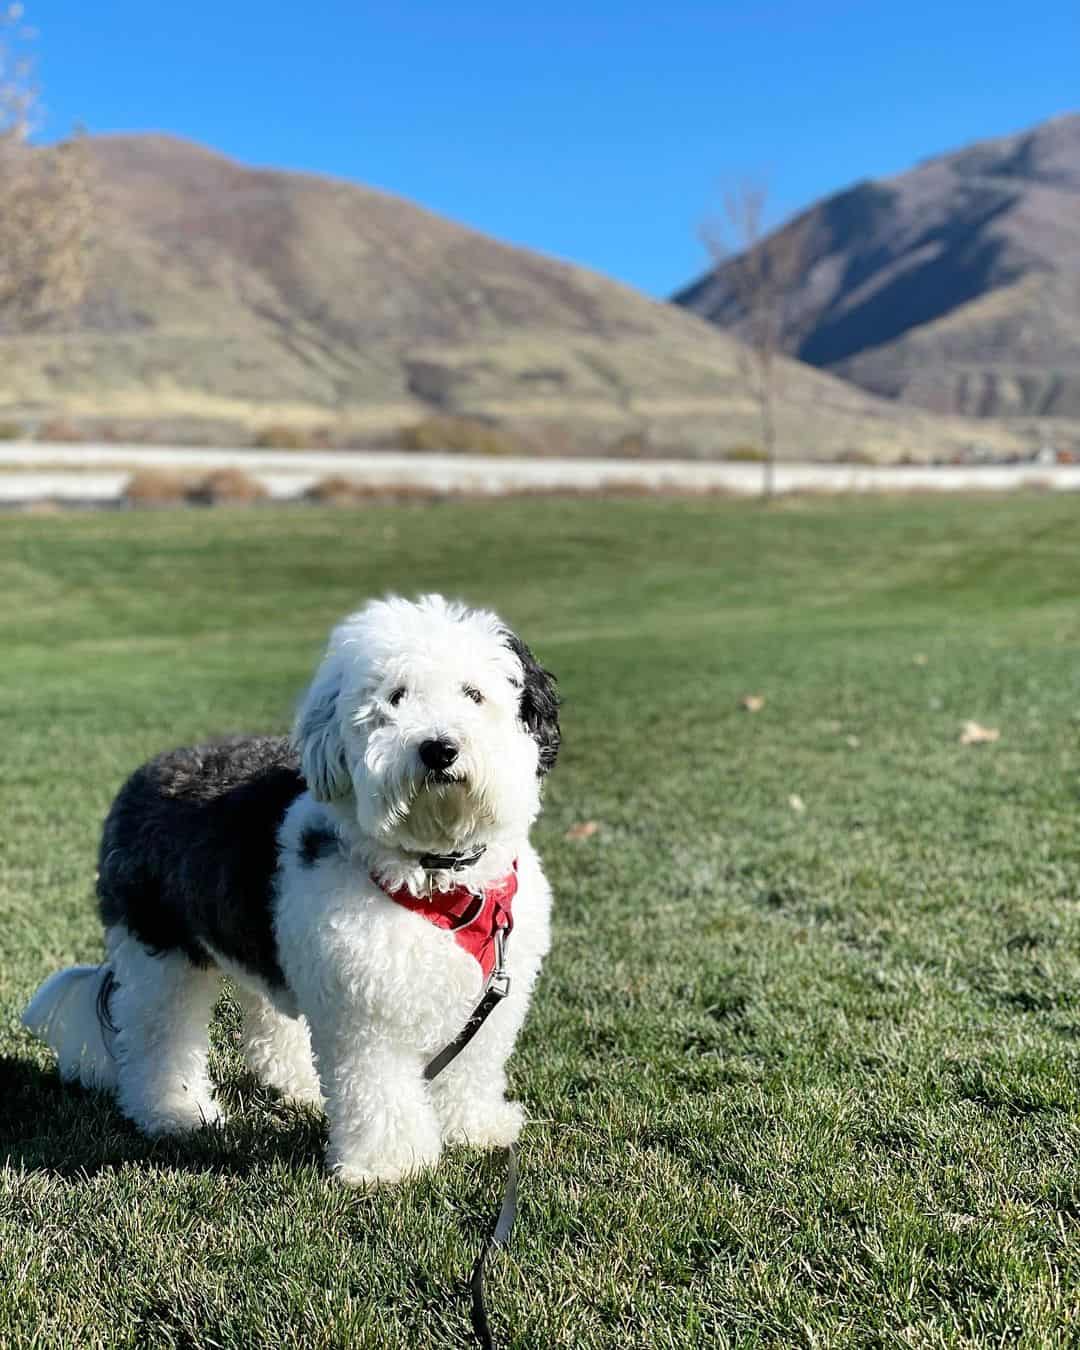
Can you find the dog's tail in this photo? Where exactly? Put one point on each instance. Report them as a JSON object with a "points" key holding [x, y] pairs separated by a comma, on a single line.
{"points": [[70, 1013]]}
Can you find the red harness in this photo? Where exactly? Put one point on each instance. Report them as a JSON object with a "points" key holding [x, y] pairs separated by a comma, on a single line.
{"points": [[473, 917]]}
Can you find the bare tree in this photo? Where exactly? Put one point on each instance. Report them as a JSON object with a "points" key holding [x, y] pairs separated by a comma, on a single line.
{"points": [[45, 198], [761, 271]]}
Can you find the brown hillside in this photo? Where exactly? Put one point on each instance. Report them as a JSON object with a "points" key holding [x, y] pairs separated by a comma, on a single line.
{"points": [[229, 298], [955, 286]]}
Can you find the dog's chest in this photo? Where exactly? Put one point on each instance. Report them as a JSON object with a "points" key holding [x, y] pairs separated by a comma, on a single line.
{"points": [[341, 939]]}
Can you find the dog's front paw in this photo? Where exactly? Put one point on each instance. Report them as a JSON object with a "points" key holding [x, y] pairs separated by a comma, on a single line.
{"points": [[482, 1124], [366, 1175], [366, 1167], [369, 1178]]}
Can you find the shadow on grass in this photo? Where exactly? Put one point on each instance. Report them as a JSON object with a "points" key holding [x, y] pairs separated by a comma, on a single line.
{"points": [[62, 1130]]}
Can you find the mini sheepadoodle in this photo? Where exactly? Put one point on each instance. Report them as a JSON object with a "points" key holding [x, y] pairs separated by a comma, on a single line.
{"points": [[357, 883]]}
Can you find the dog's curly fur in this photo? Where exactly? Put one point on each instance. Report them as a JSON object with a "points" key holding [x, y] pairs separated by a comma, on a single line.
{"points": [[270, 860]]}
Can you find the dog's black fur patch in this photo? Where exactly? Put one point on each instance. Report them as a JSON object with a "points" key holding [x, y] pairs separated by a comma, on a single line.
{"points": [[316, 843], [539, 707], [189, 851]]}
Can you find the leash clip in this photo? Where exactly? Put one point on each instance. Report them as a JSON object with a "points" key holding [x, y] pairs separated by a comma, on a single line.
{"points": [[499, 984]]}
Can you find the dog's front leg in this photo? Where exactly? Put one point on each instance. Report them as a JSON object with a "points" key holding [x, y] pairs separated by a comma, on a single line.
{"points": [[470, 1094], [382, 1124]]}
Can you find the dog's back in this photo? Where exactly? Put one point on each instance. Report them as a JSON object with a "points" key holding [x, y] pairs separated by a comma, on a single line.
{"points": [[189, 849]]}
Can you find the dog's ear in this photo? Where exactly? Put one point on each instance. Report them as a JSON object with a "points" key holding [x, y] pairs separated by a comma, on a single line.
{"points": [[317, 735], [539, 704]]}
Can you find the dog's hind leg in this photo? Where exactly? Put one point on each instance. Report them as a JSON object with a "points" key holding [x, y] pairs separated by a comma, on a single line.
{"points": [[277, 1049], [161, 1008]]}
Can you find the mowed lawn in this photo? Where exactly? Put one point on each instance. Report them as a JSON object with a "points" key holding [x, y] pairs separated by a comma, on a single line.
{"points": [[803, 1067]]}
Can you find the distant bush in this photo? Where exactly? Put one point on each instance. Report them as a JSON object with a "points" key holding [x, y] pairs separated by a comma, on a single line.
{"points": [[10, 431], [632, 445], [279, 436], [335, 490], [467, 435], [156, 487], [113, 433], [59, 429], [228, 487], [745, 454]]}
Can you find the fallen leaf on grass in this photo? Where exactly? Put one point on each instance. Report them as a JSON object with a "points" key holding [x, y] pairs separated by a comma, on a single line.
{"points": [[583, 830], [975, 734], [796, 802], [753, 702]]}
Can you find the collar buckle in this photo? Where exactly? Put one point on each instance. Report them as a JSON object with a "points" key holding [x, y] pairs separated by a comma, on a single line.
{"points": [[451, 862]]}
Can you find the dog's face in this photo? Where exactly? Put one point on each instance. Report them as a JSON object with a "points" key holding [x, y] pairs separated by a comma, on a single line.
{"points": [[431, 723]]}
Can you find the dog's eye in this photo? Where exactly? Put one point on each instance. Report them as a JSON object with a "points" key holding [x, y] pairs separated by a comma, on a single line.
{"points": [[396, 697], [474, 694]]}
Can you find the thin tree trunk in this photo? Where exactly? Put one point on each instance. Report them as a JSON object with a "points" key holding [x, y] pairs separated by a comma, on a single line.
{"points": [[768, 428]]}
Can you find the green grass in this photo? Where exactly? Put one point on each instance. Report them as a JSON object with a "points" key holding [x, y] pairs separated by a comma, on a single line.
{"points": [[795, 1078]]}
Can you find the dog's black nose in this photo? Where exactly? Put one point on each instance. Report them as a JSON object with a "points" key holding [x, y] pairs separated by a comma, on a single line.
{"points": [[438, 754]]}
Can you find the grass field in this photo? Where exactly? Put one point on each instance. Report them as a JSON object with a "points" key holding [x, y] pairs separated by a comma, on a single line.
{"points": [[795, 1077]]}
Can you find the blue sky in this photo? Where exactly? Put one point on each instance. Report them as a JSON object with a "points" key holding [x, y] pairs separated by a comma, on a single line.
{"points": [[595, 131]]}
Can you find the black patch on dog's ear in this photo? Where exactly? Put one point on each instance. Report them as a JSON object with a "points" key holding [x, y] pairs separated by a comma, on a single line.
{"points": [[316, 843], [539, 703]]}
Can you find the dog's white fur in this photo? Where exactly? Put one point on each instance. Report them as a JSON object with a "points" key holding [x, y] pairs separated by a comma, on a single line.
{"points": [[372, 990]]}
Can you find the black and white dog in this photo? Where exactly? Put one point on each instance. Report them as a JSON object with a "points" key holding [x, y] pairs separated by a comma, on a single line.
{"points": [[354, 883]]}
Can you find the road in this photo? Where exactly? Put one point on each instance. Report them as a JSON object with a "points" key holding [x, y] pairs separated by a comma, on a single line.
{"points": [[98, 473]]}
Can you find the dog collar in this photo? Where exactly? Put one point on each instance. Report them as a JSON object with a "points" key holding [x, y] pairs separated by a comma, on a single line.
{"points": [[480, 921], [451, 862]]}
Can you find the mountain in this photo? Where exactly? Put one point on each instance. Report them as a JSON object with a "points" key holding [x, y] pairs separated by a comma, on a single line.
{"points": [[955, 286], [223, 299]]}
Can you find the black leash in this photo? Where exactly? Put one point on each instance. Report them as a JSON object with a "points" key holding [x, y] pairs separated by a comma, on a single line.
{"points": [[497, 989], [498, 1237]]}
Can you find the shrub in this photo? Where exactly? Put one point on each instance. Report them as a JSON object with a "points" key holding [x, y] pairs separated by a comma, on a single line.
{"points": [[10, 431], [469, 435], [113, 433], [745, 454], [336, 491], [156, 487], [279, 436], [231, 487], [632, 445], [59, 429]]}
